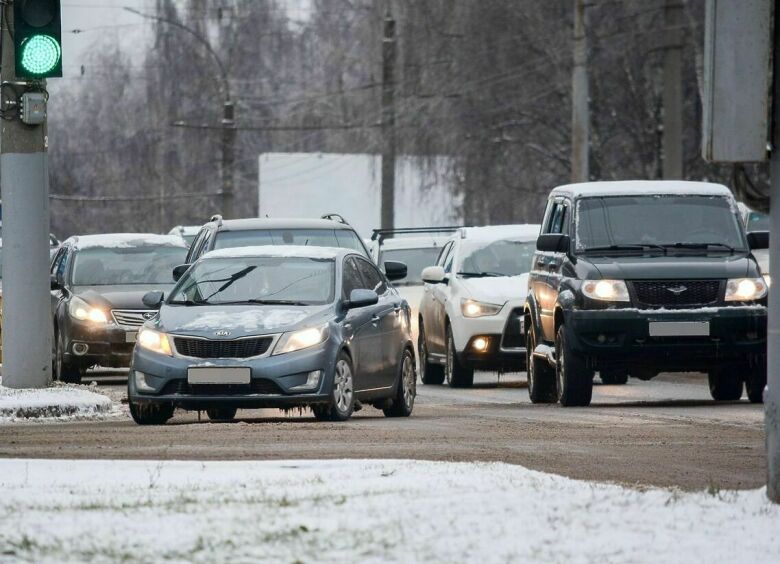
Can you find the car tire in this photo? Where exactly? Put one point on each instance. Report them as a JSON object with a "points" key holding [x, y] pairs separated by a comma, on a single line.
{"points": [[613, 377], [406, 388], [151, 413], [755, 381], [541, 376], [430, 374], [222, 414], [342, 395], [458, 376], [725, 385], [574, 380], [64, 371]]}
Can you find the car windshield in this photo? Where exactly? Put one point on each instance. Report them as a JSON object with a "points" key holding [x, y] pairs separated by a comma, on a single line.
{"points": [[414, 259], [104, 266], [339, 238], [708, 222], [757, 221], [505, 257], [269, 280]]}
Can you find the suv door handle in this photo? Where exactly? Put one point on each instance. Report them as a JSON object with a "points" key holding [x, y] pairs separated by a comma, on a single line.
{"points": [[375, 319]]}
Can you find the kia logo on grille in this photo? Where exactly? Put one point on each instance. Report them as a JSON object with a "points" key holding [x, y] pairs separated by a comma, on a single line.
{"points": [[677, 290], [149, 314], [222, 333]]}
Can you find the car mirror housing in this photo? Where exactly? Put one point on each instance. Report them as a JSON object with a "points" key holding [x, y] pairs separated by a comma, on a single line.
{"points": [[54, 283], [553, 243], [434, 275], [153, 299], [395, 270], [758, 240], [361, 298], [178, 271]]}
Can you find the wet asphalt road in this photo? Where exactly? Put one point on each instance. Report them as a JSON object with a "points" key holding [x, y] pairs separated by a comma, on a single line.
{"points": [[664, 432]]}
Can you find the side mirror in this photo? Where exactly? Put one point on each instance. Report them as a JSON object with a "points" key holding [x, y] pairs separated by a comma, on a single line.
{"points": [[553, 243], [434, 275], [178, 271], [758, 240], [361, 298], [53, 282], [395, 270], [153, 300]]}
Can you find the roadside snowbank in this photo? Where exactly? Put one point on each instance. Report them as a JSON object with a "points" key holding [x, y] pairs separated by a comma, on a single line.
{"points": [[368, 511], [59, 402]]}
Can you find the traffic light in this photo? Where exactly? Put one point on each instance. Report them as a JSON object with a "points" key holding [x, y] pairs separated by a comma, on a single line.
{"points": [[37, 37]]}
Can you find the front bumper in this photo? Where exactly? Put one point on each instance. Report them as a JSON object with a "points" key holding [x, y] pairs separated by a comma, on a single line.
{"points": [[106, 345], [621, 338], [504, 332]]}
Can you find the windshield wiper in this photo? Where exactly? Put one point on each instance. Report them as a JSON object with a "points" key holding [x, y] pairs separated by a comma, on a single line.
{"points": [[188, 302], [272, 302], [628, 247], [480, 274], [723, 246]]}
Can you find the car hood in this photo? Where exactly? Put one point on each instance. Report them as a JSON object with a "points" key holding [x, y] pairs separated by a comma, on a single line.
{"points": [[239, 320], [118, 297], [683, 266], [497, 290]]}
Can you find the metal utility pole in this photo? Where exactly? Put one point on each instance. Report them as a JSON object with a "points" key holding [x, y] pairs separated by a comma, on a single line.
{"points": [[24, 181], [388, 123], [580, 119], [672, 94]]}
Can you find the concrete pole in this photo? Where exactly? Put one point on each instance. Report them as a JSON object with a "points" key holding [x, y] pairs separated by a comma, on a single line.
{"points": [[672, 94], [388, 123], [228, 158], [24, 182], [580, 120]]}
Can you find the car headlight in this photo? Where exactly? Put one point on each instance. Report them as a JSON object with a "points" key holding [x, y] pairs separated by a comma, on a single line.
{"points": [[473, 308], [81, 310], [301, 339], [154, 341], [745, 289], [606, 290]]}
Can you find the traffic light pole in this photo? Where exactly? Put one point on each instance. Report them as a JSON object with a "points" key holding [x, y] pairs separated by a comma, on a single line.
{"points": [[24, 185]]}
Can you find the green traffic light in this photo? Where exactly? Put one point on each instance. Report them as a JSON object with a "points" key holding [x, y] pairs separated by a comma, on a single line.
{"points": [[40, 54]]}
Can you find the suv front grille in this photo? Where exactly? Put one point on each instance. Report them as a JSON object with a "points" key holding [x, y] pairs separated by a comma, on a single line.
{"points": [[132, 317], [514, 331], [676, 293], [259, 386], [207, 348]]}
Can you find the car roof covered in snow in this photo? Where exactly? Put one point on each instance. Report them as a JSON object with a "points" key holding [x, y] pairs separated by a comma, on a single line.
{"points": [[529, 231], [281, 251], [641, 188], [125, 241], [251, 224]]}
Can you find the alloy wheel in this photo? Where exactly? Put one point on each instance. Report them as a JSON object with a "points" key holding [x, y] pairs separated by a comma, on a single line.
{"points": [[450, 358], [408, 382], [342, 386]]}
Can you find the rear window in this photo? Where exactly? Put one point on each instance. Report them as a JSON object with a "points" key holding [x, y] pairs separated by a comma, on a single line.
{"points": [[304, 237]]}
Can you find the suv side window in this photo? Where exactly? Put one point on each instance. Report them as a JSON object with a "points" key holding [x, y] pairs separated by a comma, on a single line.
{"points": [[444, 254], [372, 277], [195, 246], [548, 212], [59, 264], [559, 218], [450, 258], [351, 279], [348, 239]]}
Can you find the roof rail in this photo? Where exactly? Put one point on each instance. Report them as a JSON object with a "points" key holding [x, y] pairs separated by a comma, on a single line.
{"points": [[335, 217], [381, 234], [216, 218]]}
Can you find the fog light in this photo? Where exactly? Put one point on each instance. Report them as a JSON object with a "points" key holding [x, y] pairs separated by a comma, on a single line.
{"points": [[140, 382], [480, 344], [312, 382], [602, 338]]}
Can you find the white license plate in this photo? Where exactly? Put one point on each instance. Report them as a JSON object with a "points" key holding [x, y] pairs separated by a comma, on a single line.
{"points": [[130, 336], [219, 375], [679, 328]]}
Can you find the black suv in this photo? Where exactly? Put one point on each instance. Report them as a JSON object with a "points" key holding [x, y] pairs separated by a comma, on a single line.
{"points": [[637, 278]]}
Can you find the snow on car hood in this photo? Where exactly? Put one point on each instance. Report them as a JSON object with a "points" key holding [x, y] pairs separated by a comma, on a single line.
{"points": [[497, 289]]}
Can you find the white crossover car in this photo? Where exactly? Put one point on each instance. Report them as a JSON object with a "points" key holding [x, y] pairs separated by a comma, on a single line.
{"points": [[471, 312]]}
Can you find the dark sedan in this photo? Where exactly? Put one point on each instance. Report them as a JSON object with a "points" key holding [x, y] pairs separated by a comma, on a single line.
{"points": [[98, 283], [277, 327]]}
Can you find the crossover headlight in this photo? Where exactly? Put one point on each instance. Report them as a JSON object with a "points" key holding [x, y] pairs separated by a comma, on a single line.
{"points": [[745, 289], [81, 310], [473, 308], [301, 339], [154, 341], [606, 290]]}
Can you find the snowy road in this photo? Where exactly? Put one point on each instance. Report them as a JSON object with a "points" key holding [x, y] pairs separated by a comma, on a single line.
{"points": [[665, 432]]}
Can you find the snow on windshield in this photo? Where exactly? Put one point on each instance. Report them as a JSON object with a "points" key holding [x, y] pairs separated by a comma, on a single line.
{"points": [[505, 257], [126, 265]]}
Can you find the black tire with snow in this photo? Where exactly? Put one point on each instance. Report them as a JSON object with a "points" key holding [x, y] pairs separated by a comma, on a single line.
{"points": [[541, 376]]}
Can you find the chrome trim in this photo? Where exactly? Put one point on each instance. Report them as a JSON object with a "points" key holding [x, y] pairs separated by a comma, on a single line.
{"points": [[133, 318], [274, 339]]}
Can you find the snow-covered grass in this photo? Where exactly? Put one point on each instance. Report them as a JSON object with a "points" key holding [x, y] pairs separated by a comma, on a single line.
{"points": [[56, 403], [363, 511]]}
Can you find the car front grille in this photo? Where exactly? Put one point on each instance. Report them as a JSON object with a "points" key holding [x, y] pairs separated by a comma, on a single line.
{"points": [[132, 317], [676, 293], [261, 386], [208, 348], [514, 336]]}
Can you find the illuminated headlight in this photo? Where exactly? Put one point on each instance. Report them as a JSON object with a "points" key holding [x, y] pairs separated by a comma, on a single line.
{"points": [[301, 339], [473, 308], [606, 290], [140, 382], [312, 382], [745, 289], [154, 341], [81, 310]]}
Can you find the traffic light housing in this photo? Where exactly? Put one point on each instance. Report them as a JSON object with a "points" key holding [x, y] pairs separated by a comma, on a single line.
{"points": [[37, 38]]}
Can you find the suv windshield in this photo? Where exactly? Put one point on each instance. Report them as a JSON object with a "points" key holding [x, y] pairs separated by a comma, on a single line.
{"points": [[414, 259], [506, 257], [339, 238], [103, 266], [641, 222], [262, 280]]}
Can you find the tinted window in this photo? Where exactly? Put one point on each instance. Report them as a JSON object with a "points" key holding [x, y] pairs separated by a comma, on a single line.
{"points": [[103, 266], [414, 259], [371, 277], [558, 220], [351, 278], [349, 240]]}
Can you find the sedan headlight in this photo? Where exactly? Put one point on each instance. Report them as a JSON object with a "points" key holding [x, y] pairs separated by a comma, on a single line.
{"points": [[473, 308], [301, 339], [745, 289], [154, 341], [81, 310], [606, 290]]}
